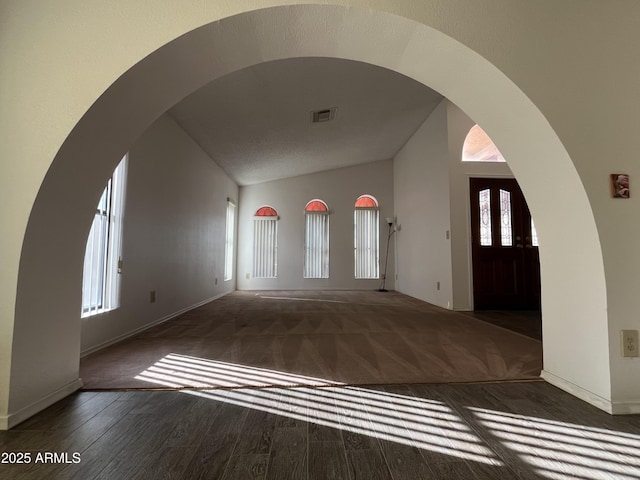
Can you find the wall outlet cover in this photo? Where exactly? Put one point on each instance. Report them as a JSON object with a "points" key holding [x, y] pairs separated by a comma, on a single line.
{"points": [[629, 343]]}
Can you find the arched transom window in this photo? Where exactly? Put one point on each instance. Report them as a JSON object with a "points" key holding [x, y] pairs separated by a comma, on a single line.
{"points": [[266, 211], [366, 201], [478, 147]]}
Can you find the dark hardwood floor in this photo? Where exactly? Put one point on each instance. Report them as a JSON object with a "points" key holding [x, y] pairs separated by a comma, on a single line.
{"points": [[517, 430]]}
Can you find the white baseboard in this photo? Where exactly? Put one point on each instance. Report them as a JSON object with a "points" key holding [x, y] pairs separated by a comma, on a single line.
{"points": [[13, 419], [579, 392], [626, 408], [147, 326]]}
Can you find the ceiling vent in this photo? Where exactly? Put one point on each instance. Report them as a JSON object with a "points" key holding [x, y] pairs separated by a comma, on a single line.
{"points": [[325, 115]]}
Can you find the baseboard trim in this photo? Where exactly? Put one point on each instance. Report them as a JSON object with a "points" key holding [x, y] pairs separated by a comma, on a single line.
{"points": [[147, 326], [13, 419], [626, 408], [579, 392]]}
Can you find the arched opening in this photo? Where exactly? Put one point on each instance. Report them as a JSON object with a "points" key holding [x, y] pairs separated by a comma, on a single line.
{"points": [[53, 246]]}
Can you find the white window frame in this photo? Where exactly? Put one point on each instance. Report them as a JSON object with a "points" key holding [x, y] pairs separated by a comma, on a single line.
{"points": [[103, 251], [316, 244], [366, 242], [229, 242], [265, 246]]}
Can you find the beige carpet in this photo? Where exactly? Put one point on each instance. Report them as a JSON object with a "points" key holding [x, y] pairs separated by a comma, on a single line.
{"points": [[314, 338]]}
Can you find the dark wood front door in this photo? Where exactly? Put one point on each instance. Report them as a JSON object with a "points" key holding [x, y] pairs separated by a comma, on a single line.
{"points": [[506, 264]]}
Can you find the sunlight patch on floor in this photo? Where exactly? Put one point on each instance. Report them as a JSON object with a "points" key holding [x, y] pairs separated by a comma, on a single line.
{"points": [[551, 448], [564, 450], [181, 371], [407, 420]]}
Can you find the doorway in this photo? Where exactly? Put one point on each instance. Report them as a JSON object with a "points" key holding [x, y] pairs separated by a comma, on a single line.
{"points": [[505, 258]]}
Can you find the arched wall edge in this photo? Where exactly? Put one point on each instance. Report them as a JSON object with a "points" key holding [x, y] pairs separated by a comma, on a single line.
{"points": [[47, 320]]}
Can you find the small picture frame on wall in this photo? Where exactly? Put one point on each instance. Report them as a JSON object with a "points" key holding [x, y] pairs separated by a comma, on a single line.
{"points": [[619, 185]]}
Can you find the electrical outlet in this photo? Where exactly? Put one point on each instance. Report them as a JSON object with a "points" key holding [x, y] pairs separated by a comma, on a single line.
{"points": [[437, 285], [629, 343], [215, 281], [152, 296], [246, 275]]}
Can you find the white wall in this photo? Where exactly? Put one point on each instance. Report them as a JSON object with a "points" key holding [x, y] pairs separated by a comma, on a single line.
{"points": [[339, 189], [421, 196], [174, 231]]}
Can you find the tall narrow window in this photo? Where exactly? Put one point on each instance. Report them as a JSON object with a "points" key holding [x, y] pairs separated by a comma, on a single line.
{"points": [[102, 258], [484, 197], [506, 229], [229, 240], [316, 240], [265, 243], [366, 237]]}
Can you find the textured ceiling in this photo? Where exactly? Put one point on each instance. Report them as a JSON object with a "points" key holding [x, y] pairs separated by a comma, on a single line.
{"points": [[256, 123]]}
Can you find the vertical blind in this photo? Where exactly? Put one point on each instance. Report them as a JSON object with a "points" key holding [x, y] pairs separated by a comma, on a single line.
{"points": [[95, 257], [316, 249], [366, 243], [265, 247], [229, 240], [101, 279]]}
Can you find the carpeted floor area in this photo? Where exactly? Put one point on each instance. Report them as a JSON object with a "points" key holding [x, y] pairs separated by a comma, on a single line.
{"points": [[249, 339], [526, 322]]}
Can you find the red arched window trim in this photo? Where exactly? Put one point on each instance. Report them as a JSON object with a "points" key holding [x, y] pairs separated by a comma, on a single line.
{"points": [[316, 206], [266, 211], [366, 201]]}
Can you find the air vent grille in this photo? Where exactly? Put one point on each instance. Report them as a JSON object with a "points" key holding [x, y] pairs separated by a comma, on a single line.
{"points": [[324, 115]]}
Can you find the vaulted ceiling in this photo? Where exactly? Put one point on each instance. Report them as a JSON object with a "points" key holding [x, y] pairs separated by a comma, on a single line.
{"points": [[257, 123]]}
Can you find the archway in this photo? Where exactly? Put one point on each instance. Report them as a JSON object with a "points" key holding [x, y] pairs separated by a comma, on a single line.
{"points": [[47, 320]]}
